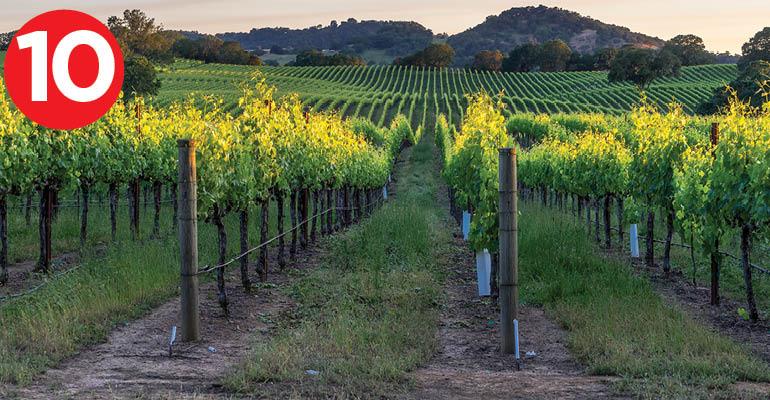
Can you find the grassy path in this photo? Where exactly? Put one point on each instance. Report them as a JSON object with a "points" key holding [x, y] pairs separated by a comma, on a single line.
{"points": [[368, 315]]}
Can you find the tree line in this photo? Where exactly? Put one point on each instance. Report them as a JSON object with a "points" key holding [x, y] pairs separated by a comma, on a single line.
{"points": [[557, 56], [316, 58]]}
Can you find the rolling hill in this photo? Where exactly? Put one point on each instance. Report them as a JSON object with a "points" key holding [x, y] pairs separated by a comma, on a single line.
{"points": [[503, 32], [522, 25], [394, 38]]}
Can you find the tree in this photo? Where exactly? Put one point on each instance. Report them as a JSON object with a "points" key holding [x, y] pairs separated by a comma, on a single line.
{"points": [[187, 48], [317, 58], [488, 60], [210, 49], [604, 57], [756, 49], [141, 78], [138, 34], [233, 53], [666, 63], [581, 62], [634, 65], [310, 58], [642, 66], [750, 86], [5, 40], [522, 59], [437, 55], [553, 56], [690, 50]]}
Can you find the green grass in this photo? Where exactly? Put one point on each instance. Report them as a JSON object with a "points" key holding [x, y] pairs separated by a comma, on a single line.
{"points": [[282, 59], [82, 307], [617, 324], [369, 314], [24, 238], [377, 57]]}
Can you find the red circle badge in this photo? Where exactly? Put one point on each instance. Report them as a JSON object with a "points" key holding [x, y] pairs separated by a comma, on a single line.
{"points": [[64, 69]]}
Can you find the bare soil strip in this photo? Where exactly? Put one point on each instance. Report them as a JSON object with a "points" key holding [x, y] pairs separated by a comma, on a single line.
{"points": [[470, 365]]}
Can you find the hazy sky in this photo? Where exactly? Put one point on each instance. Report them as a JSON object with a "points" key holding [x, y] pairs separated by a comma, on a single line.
{"points": [[724, 25]]}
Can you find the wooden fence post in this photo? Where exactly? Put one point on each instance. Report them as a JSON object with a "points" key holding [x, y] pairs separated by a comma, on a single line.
{"points": [[188, 240], [508, 236]]}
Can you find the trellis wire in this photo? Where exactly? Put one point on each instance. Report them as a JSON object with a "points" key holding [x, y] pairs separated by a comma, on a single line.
{"points": [[208, 268], [687, 246]]}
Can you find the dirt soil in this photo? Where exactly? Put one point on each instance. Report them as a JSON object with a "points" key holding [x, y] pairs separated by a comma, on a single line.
{"points": [[134, 362], [469, 364]]}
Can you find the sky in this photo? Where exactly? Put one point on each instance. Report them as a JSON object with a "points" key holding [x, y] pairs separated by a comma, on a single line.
{"points": [[723, 25]]}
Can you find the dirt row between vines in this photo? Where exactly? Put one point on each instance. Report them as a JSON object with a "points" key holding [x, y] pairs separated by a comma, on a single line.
{"points": [[135, 361], [469, 364]]}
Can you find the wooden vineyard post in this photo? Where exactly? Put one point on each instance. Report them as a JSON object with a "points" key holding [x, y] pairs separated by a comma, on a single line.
{"points": [[715, 256], [509, 252], [188, 240]]}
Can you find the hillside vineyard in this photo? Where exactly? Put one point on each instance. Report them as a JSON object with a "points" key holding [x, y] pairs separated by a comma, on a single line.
{"points": [[379, 93]]}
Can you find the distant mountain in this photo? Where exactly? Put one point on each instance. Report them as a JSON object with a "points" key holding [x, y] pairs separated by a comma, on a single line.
{"points": [[394, 38], [381, 41], [522, 25]]}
